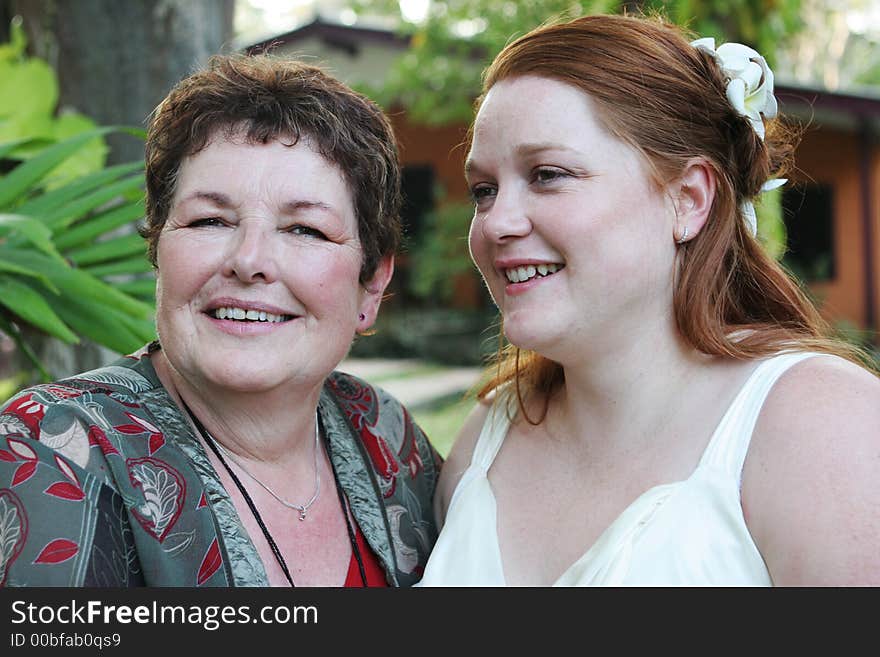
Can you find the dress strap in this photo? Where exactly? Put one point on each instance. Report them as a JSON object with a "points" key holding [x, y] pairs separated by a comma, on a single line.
{"points": [[729, 444], [492, 435]]}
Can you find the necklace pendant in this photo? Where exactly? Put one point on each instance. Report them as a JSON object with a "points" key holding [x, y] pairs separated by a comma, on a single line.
{"points": [[302, 514]]}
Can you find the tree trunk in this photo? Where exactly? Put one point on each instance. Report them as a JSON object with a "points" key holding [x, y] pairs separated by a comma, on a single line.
{"points": [[116, 59]]}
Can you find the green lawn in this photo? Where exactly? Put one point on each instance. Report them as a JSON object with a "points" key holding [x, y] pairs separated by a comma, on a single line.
{"points": [[442, 421]]}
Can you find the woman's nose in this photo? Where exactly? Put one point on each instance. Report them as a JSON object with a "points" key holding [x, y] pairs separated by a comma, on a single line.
{"points": [[251, 257], [506, 219]]}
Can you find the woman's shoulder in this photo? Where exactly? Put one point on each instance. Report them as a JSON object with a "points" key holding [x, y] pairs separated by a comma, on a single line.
{"points": [[811, 481], [821, 393], [382, 422], [92, 420], [364, 402]]}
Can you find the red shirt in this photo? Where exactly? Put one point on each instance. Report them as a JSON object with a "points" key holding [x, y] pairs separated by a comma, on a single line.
{"points": [[372, 567]]}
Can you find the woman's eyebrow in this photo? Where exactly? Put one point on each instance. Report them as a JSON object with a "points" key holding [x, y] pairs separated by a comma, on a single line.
{"points": [[293, 206], [542, 147], [217, 198], [524, 150]]}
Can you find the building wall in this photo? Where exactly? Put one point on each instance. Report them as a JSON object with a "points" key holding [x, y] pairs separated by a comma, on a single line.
{"points": [[832, 156]]}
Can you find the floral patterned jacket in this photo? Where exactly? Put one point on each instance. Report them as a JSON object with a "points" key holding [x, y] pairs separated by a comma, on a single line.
{"points": [[103, 483]]}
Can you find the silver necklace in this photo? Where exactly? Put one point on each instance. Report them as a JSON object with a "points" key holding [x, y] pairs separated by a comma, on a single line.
{"points": [[302, 508]]}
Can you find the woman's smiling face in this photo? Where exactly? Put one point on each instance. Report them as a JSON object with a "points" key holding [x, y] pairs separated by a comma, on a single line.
{"points": [[258, 267], [570, 232]]}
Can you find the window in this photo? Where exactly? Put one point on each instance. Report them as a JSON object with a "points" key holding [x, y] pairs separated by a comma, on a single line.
{"points": [[807, 211], [417, 182]]}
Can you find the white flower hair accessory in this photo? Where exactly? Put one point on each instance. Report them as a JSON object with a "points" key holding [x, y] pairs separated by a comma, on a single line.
{"points": [[749, 80], [750, 91]]}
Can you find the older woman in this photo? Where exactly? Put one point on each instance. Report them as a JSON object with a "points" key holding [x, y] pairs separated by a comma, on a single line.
{"points": [[229, 452]]}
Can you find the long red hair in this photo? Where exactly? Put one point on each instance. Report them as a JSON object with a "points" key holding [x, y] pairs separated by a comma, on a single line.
{"points": [[667, 99]]}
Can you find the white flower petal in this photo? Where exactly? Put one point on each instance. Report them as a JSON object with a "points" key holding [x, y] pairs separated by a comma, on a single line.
{"points": [[736, 94], [755, 102], [770, 108], [706, 44], [758, 126], [752, 75], [768, 75], [773, 183], [751, 219], [735, 56]]}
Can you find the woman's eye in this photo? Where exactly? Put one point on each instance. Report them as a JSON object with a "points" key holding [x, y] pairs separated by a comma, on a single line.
{"points": [[206, 221], [545, 175], [308, 231], [482, 192]]}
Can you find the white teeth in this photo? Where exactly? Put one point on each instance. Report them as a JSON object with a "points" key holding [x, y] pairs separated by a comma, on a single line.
{"points": [[250, 315], [527, 272]]}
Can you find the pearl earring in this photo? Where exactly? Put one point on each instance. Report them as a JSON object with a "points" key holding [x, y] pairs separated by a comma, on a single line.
{"points": [[683, 238]]}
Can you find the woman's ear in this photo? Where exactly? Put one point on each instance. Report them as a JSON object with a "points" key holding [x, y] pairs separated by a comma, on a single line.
{"points": [[693, 194], [371, 294]]}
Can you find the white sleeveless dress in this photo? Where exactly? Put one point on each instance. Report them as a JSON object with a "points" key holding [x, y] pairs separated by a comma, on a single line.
{"points": [[687, 533]]}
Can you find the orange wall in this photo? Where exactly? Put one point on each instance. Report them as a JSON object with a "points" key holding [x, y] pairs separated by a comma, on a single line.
{"points": [[441, 146], [444, 148], [875, 228], [832, 157]]}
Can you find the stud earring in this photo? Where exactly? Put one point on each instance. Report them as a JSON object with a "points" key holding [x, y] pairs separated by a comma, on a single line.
{"points": [[362, 317], [684, 236]]}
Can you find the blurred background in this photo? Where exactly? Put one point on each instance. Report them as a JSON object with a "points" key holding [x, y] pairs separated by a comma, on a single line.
{"points": [[78, 79]]}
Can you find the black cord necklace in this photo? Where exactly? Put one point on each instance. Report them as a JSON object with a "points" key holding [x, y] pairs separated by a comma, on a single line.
{"points": [[265, 530]]}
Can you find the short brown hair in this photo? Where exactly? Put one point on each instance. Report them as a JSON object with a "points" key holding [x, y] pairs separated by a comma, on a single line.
{"points": [[264, 97], [667, 99]]}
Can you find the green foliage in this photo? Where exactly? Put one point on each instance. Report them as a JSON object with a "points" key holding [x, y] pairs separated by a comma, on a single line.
{"points": [[762, 24], [61, 212], [28, 98], [55, 252], [437, 79], [771, 227], [442, 253]]}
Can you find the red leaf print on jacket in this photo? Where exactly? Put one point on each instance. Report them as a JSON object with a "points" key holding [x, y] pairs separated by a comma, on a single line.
{"points": [[210, 563], [24, 472], [13, 530], [384, 462], [360, 405], [66, 470], [97, 437], [63, 392], [130, 429], [156, 441], [409, 451], [66, 491], [21, 449], [140, 425], [163, 489], [57, 551], [28, 411]]}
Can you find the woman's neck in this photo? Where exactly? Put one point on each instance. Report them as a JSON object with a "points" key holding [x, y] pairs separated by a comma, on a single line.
{"points": [[631, 388], [272, 426]]}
